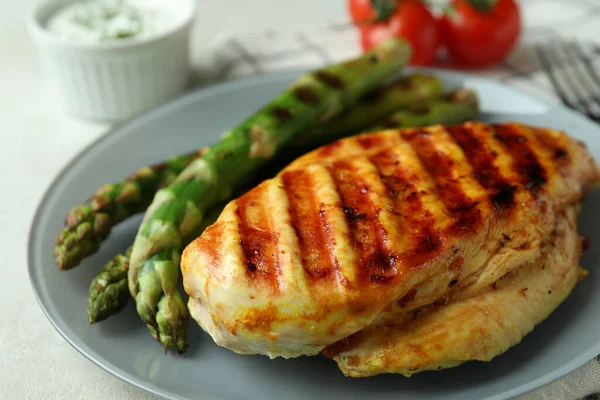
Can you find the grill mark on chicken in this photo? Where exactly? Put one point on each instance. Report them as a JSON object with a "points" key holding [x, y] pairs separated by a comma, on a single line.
{"points": [[306, 217], [257, 241], [330, 244], [369, 141], [377, 262], [481, 157], [329, 149], [440, 166], [533, 174], [561, 154], [416, 222], [556, 149], [552, 144]]}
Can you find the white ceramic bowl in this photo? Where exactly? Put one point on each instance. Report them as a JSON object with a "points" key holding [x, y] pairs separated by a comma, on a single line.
{"points": [[115, 79]]}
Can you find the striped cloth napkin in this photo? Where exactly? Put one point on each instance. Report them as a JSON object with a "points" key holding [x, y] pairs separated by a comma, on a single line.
{"points": [[546, 20]]}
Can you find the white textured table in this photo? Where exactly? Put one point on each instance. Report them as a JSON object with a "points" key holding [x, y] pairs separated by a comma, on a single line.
{"points": [[38, 139]]}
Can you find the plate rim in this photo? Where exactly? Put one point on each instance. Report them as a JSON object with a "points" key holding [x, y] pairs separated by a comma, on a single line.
{"points": [[204, 92]]}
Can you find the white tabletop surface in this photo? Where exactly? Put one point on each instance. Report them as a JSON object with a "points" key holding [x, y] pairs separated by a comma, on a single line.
{"points": [[38, 139]]}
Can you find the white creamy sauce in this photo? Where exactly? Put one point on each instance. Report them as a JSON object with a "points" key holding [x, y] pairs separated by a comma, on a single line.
{"points": [[105, 20]]}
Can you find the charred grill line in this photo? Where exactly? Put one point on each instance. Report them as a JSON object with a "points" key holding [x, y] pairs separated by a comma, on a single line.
{"points": [[481, 158], [552, 145], [439, 166], [327, 150], [369, 141], [330, 245], [254, 241], [560, 154], [533, 174], [425, 240], [555, 149], [311, 228], [277, 273], [378, 263]]}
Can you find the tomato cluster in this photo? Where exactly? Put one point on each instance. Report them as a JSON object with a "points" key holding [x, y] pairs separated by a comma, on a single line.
{"points": [[476, 33]]}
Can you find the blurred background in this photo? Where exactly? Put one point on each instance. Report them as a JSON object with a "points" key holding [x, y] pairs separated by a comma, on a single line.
{"points": [[235, 38]]}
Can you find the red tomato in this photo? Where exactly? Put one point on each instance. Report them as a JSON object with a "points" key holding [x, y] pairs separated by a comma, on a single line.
{"points": [[477, 38], [361, 11], [412, 21]]}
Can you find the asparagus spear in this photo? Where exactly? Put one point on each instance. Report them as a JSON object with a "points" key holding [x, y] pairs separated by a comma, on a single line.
{"points": [[455, 107], [89, 224], [109, 292], [179, 209], [374, 107]]}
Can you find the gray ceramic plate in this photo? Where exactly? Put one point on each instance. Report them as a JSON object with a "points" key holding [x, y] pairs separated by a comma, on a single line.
{"points": [[122, 346]]}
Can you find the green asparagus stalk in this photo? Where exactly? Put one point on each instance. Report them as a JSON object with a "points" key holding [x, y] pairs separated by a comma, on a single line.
{"points": [[90, 223], [373, 108], [109, 292], [454, 107], [180, 208]]}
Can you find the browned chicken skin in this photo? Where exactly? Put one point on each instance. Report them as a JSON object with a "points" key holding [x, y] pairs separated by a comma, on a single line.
{"points": [[380, 224]]}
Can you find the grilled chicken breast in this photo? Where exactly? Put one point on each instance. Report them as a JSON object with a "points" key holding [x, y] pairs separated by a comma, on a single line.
{"points": [[379, 224], [476, 328]]}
